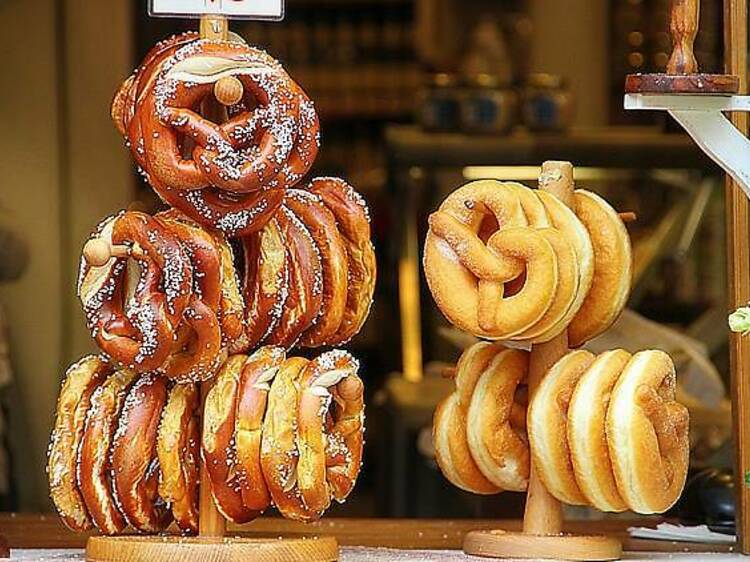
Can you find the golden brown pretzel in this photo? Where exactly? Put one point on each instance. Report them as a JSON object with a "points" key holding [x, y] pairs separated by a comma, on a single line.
{"points": [[135, 466], [279, 454], [321, 223], [232, 306], [353, 220], [255, 383], [93, 471], [134, 320], [81, 380], [305, 293], [218, 443], [177, 448], [329, 455]]}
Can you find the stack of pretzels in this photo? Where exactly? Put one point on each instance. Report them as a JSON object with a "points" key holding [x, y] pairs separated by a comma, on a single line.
{"points": [[248, 255], [125, 446], [506, 262], [603, 431]]}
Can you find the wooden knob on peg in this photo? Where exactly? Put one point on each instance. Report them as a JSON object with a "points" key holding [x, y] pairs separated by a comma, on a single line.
{"points": [[683, 25], [229, 90], [98, 252]]}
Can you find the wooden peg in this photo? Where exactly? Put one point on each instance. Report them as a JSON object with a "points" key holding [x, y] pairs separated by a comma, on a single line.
{"points": [[628, 216], [98, 252], [229, 90], [683, 25], [214, 28]]}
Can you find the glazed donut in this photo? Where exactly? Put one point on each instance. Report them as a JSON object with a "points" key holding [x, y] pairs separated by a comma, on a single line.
{"points": [[266, 281], [255, 383], [449, 423], [81, 380], [305, 294], [218, 445], [547, 426], [321, 223], [587, 437], [93, 470], [279, 454], [331, 377], [133, 317], [177, 448], [647, 434], [353, 221], [496, 421], [133, 458], [611, 282]]}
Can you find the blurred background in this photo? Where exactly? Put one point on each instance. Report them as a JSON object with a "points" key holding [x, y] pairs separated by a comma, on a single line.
{"points": [[415, 98]]}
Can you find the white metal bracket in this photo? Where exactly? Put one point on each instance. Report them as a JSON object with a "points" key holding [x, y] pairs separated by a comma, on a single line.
{"points": [[703, 118]]}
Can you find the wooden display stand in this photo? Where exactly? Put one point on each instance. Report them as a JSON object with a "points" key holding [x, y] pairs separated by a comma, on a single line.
{"points": [[211, 542], [542, 535]]}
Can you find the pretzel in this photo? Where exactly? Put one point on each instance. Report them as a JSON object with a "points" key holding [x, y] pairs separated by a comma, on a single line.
{"points": [[255, 383], [449, 424], [610, 286], [232, 306], [587, 438], [321, 223], [496, 421], [266, 281], [133, 317], [177, 448], [93, 470], [329, 457], [218, 443], [135, 466], [279, 454], [547, 426], [647, 433], [81, 380], [305, 293], [533, 209], [353, 220]]}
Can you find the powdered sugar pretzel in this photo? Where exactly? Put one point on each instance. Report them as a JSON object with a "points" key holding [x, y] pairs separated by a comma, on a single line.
{"points": [[330, 453], [353, 220], [255, 383], [133, 314], [93, 471], [81, 380], [305, 294], [177, 448], [335, 264], [218, 444], [135, 465]]}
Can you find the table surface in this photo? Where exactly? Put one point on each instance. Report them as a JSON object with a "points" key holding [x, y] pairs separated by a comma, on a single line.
{"points": [[361, 539]]}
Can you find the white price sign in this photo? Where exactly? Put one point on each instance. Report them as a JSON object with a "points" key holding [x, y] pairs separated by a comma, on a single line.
{"points": [[240, 9]]}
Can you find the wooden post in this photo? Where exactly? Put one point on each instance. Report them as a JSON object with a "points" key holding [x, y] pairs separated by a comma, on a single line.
{"points": [[738, 257], [683, 24]]}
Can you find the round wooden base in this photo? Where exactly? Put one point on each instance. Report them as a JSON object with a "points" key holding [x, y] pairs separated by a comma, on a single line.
{"points": [[226, 549], [506, 544], [682, 84]]}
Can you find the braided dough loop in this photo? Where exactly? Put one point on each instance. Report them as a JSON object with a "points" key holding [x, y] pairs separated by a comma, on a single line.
{"points": [[612, 276], [647, 433], [449, 424], [496, 421], [329, 457], [218, 445], [255, 384], [353, 221], [81, 380], [547, 426], [177, 448], [135, 464], [587, 437], [93, 471]]}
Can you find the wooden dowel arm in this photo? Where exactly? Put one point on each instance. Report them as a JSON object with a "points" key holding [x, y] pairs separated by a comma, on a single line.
{"points": [[98, 252], [628, 216]]}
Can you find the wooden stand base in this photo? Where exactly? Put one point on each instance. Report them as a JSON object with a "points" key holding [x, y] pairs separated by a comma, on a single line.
{"points": [[4, 549], [681, 84], [506, 544], [226, 549]]}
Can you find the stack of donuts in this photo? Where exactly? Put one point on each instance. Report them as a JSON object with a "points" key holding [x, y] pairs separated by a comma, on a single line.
{"points": [[603, 431], [506, 262], [249, 261], [125, 447]]}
